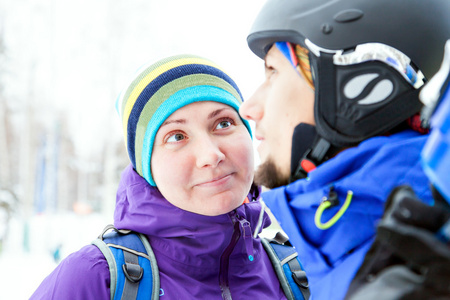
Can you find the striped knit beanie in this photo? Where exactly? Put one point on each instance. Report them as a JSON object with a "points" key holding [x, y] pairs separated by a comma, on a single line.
{"points": [[159, 89]]}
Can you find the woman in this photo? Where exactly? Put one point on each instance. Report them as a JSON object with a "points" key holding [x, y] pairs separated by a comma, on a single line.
{"points": [[188, 189]]}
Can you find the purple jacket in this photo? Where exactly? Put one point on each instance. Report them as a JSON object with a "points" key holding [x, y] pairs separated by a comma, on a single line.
{"points": [[198, 256]]}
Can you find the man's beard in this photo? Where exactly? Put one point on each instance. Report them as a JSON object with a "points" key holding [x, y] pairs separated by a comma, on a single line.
{"points": [[269, 175]]}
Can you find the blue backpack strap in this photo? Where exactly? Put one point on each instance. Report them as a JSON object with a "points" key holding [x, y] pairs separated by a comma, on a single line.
{"points": [[132, 264], [287, 266]]}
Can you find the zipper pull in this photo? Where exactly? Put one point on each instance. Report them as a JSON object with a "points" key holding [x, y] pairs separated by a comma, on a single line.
{"points": [[246, 232]]}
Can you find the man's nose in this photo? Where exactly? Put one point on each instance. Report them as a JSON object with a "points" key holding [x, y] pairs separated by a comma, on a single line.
{"points": [[252, 108]]}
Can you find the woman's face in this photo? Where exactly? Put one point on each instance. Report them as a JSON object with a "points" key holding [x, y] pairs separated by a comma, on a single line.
{"points": [[202, 159]]}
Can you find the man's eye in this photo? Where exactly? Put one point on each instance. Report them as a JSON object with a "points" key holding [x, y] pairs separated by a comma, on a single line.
{"points": [[175, 138], [223, 124], [270, 71]]}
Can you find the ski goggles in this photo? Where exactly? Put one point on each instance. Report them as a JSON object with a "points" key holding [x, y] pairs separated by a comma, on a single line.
{"points": [[374, 52]]}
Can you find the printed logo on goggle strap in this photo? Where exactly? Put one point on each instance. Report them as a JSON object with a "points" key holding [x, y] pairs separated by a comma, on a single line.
{"points": [[368, 88]]}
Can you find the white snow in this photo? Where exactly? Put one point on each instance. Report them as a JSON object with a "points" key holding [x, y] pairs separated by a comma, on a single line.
{"points": [[22, 270]]}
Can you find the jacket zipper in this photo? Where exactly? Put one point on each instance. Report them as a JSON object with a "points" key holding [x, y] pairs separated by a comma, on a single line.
{"points": [[240, 227]]}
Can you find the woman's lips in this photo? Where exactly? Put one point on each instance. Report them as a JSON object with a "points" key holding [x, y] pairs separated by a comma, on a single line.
{"points": [[216, 181]]}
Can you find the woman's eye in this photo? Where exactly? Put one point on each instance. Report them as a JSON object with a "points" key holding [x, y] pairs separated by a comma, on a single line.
{"points": [[223, 124], [175, 138]]}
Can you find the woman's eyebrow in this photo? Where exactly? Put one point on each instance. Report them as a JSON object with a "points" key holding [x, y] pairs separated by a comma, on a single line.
{"points": [[217, 111], [177, 121], [184, 121]]}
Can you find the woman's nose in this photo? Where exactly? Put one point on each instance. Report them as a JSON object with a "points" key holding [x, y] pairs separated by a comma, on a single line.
{"points": [[209, 153]]}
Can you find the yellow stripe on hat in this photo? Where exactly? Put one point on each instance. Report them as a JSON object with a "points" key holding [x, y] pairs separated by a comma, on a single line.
{"points": [[131, 100]]}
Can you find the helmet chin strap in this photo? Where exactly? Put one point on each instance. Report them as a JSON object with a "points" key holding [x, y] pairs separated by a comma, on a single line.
{"points": [[308, 151]]}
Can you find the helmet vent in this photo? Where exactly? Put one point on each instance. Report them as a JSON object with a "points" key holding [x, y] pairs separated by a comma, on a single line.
{"points": [[368, 89], [348, 15]]}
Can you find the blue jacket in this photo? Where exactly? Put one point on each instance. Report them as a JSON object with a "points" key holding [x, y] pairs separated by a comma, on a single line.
{"points": [[331, 257]]}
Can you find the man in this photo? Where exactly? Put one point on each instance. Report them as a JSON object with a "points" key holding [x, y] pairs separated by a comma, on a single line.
{"points": [[337, 117]]}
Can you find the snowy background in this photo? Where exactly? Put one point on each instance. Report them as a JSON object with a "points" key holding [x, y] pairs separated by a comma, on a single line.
{"points": [[62, 65]]}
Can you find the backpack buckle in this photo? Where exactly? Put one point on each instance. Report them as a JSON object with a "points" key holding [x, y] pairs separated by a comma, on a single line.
{"points": [[132, 272], [300, 278]]}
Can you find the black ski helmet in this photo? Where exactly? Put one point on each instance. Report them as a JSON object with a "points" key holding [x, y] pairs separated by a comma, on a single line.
{"points": [[361, 96]]}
